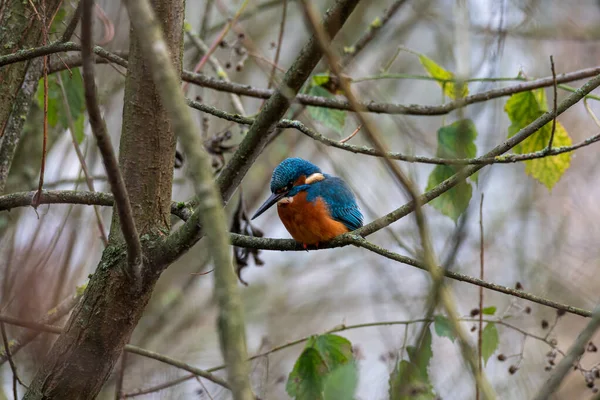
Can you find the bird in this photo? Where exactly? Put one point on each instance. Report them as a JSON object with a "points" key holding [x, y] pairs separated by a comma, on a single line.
{"points": [[314, 207]]}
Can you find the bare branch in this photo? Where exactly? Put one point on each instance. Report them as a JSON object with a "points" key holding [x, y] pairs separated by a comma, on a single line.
{"points": [[130, 234], [382, 108], [70, 29], [565, 365], [129, 348], [51, 316], [88, 180], [371, 32]]}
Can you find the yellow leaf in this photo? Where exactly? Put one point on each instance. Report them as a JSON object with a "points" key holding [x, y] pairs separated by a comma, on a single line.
{"points": [[524, 108], [435, 71]]}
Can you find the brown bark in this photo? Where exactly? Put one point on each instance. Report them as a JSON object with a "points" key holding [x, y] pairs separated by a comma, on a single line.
{"points": [[82, 358], [20, 28], [147, 156]]}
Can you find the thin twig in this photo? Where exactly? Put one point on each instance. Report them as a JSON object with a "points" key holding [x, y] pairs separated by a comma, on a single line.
{"points": [[217, 41], [35, 202], [208, 6], [70, 29], [336, 329], [129, 348], [553, 105], [371, 32], [344, 140], [81, 158], [120, 377], [218, 68], [179, 364], [279, 42], [51, 316], [13, 367], [481, 269], [204, 388], [127, 223], [565, 365]]}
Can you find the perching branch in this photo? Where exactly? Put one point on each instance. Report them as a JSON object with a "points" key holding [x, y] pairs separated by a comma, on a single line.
{"points": [[23, 199]]}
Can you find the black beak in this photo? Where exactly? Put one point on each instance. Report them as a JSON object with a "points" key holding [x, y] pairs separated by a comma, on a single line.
{"points": [[274, 198]]}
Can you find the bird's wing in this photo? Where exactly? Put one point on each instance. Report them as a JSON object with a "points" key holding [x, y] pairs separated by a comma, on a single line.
{"points": [[340, 201]]}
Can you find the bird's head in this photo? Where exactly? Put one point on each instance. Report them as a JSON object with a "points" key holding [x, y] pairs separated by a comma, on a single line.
{"points": [[288, 179]]}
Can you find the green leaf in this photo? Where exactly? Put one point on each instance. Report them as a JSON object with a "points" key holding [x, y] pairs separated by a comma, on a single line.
{"points": [[333, 119], [54, 99], [58, 20], [456, 200], [522, 109], [73, 84], [491, 310], [341, 384], [450, 88], [421, 360], [57, 112], [443, 328], [456, 140], [406, 383], [334, 350], [320, 79], [322, 355], [489, 341], [79, 128], [306, 379]]}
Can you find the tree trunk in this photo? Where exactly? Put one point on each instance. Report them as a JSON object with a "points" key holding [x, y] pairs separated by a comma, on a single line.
{"points": [[83, 357], [20, 28]]}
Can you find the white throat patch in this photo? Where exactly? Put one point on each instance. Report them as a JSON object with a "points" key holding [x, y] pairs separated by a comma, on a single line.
{"points": [[316, 177], [285, 200]]}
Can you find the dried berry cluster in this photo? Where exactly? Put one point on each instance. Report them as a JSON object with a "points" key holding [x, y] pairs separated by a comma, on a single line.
{"points": [[238, 50]]}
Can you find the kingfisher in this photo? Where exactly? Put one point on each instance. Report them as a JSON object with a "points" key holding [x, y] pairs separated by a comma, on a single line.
{"points": [[314, 207]]}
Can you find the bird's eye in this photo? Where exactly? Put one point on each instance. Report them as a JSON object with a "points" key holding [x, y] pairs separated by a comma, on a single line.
{"points": [[289, 186]]}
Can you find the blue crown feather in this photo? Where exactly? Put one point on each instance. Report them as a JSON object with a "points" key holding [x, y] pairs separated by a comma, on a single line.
{"points": [[289, 171]]}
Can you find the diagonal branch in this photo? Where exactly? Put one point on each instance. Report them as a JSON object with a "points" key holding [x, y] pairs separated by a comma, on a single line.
{"points": [[209, 211], [576, 350], [130, 235], [262, 127]]}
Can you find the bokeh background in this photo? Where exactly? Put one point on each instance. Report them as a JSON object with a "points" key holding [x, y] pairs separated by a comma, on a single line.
{"points": [[545, 240]]}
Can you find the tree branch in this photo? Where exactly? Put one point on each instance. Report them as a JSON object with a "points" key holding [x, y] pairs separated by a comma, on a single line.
{"points": [[209, 209], [317, 101], [38, 327], [130, 234], [576, 350]]}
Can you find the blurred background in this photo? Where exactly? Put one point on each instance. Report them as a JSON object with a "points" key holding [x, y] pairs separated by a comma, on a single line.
{"points": [[547, 241]]}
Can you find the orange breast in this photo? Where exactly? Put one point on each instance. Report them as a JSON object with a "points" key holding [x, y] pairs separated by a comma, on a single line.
{"points": [[308, 222]]}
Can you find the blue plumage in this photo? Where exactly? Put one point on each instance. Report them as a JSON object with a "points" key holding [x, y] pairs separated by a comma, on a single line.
{"points": [[334, 191], [288, 171], [339, 199]]}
